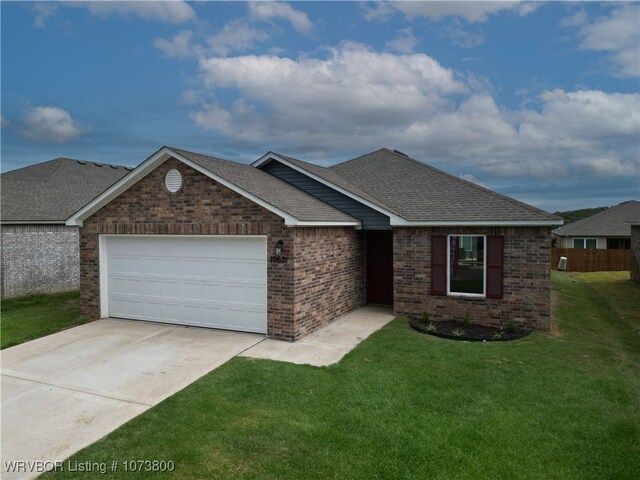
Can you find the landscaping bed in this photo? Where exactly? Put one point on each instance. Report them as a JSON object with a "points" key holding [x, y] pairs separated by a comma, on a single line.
{"points": [[471, 332]]}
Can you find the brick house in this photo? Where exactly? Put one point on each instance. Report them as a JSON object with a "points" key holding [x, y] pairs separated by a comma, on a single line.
{"points": [[283, 246], [39, 253], [635, 251]]}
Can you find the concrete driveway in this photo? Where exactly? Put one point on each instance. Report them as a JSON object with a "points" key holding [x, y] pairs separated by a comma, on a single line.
{"points": [[63, 392]]}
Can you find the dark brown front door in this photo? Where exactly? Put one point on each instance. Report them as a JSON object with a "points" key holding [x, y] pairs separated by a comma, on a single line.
{"points": [[379, 260]]}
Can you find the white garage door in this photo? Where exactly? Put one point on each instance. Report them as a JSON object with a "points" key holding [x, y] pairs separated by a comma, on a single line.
{"points": [[205, 281]]}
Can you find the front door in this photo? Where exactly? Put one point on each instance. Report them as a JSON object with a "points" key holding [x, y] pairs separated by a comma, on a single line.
{"points": [[379, 258]]}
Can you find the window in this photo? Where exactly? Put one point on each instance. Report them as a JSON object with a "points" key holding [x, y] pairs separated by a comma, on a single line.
{"points": [[493, 259], [466, 264], [619, 243], [585, 243]]}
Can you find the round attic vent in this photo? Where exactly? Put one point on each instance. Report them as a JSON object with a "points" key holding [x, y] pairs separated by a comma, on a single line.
{"points": [[173, 180]]}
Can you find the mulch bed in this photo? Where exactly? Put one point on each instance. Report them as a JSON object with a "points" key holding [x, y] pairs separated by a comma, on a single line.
{"points": [[455, 330]]}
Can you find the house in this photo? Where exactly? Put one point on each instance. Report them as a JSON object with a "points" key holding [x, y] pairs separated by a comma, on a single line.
{"points": [[609, 229], [282, 246], [39, 252], [635, 250]]}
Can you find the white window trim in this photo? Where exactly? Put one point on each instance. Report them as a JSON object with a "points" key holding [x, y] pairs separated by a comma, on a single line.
{"points": [[484, 268]]}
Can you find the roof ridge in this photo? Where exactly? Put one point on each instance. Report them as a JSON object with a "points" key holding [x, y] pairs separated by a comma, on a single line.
{"points": [[298, 160], [67, 159], [360, 156], [176, 149]]}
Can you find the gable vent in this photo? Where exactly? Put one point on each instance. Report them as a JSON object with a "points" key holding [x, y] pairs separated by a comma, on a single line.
{"points": [[173, 180]]}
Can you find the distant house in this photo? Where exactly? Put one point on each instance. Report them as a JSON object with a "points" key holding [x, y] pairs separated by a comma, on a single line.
{"points": [[635, 250], [39, 253], [609, 229]]}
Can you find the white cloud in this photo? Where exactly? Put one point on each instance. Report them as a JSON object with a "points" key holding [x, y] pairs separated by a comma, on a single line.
{"points": [[159, 11], [42, 12], [178, 46], [470, 178], [272, 10], [377, 11], [191, 97], [471, 11], [235, 36], [354, 81], [405, 42], [617, 33], [162, 11], [4, 122], [52, 124], [358, 99], [460, 36]]}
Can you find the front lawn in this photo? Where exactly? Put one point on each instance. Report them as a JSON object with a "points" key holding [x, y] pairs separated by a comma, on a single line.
{"points": [[562, 405], [35, 316]]}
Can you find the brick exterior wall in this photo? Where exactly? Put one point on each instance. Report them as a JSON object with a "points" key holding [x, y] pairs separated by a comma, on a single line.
{"points": [[328, 276], [204, 207], [527, 282], [635, 253], [38, 259]]}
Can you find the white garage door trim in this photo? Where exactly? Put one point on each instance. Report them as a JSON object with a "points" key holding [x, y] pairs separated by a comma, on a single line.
{"points": [[257, 325]]}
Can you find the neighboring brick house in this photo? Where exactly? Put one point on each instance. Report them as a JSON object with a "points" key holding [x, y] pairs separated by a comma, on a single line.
{"points": [[283, 247], [609, 229], [39, 253], [635, 251]]}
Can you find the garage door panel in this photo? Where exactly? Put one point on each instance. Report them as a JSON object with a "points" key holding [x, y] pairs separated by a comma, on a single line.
{"points": [[217, 282]]}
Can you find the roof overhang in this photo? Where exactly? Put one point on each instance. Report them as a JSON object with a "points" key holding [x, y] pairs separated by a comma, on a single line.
{"points": [[161, 156], [268, 157], [488, 223], [34, 222]]}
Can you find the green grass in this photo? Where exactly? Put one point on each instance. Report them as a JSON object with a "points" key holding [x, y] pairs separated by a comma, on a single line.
{"points": [[35, 316], [562, 405]]}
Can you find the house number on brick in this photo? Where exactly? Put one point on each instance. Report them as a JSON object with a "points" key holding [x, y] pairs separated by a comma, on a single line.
{"points": [[278, 259]]}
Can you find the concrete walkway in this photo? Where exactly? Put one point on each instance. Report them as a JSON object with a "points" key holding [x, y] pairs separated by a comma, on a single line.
{"points": [[328, 344], [63, 392]]}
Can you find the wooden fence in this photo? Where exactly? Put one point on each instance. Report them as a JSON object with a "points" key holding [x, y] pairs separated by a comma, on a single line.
{"points": [[592, 260]]}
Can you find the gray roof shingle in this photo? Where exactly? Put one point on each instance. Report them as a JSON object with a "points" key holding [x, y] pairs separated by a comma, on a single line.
{"points": [[268, 188], [53, 190], [612, 222], [421, 193]]}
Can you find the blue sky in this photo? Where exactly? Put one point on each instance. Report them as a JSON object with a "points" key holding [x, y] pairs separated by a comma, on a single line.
{"points": [[539, 101]]}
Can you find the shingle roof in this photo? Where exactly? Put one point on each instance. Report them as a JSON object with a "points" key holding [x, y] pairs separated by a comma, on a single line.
{"points": [[421, 193], [612, 222], [53, 190], [268, 188]]}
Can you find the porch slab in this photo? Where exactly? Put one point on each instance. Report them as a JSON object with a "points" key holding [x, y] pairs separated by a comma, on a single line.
{"points": [[328, 344]]}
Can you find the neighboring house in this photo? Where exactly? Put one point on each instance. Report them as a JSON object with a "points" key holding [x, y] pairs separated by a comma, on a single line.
{"points": [[283, 247], [39, 252], [635, 250], [609, 229]]}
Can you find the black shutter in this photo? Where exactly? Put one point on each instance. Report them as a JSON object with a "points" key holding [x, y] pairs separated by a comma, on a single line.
{"points": [[439, 265], [495, 254]]}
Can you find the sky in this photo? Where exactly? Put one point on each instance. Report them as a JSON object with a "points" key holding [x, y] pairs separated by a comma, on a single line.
{"points": [[536, 100]]}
